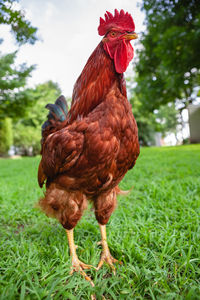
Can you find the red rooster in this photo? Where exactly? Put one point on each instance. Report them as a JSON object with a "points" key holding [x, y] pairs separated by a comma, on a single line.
{"points": [[87, 151]]}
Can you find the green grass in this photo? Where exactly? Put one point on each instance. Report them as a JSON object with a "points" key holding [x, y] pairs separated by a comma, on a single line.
{"points": [[155, 232]]}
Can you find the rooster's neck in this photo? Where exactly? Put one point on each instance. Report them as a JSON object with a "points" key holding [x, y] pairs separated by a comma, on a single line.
{"points": [[95, 81]]}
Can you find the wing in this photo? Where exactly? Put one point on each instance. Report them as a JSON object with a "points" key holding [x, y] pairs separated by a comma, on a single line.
{"points": [[61, 151]]}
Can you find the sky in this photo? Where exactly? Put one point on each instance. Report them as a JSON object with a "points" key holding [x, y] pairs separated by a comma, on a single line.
{"points": [[68, 34]]}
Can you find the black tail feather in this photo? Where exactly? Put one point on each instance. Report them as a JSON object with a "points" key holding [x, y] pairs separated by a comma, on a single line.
{"points": [[61, 102], [57, 114]]}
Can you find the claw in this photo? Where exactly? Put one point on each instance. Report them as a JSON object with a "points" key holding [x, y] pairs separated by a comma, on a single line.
{"points": [[79, 266], [107, 258]]}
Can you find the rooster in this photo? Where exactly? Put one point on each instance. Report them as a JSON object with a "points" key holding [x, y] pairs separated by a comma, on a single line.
{"points": [[87, 150]]}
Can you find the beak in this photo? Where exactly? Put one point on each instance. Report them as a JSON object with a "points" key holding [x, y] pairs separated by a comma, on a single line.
{"points": [[130, 36]]}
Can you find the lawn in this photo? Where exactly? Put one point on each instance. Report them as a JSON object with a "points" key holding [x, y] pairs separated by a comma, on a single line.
{"points": [[155, 232]]}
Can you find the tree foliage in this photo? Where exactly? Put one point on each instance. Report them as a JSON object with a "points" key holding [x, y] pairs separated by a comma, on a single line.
{"points": [[21, 28], [6, 136], [27, 131], [145, 122], [168, 65], [14, 97], [167, 119], [163, 120]]}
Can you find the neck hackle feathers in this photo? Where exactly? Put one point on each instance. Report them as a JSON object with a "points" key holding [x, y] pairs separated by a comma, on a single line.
{"points": [[120, 20]]}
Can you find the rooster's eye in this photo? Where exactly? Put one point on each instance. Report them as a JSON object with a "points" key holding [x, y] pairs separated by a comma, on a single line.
{"points": [[112, 33]]}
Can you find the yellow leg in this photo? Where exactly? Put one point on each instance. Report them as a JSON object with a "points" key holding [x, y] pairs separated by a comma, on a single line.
{"points": [[106, 256], [77, 265]]}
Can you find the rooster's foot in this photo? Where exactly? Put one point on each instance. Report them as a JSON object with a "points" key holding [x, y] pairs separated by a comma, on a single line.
{"points": [[108, 259], [79, 266]]}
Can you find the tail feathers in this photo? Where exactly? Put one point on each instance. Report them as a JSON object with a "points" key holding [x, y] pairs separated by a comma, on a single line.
{"points": [[61, 102], [57, 114]]}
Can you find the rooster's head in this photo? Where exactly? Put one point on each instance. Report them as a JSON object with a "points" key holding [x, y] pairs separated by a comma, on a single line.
{"points": [[118, 31]]}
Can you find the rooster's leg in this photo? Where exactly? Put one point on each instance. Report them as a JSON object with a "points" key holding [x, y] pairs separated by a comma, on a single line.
{"points": [[106, 256], [77, 265]]}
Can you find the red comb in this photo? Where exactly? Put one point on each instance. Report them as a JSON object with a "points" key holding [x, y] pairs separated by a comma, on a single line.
{"points": [[120, 20]]}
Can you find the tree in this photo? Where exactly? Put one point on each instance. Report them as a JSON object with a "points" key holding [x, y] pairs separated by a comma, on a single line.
{"points": [[145, 121], [6, 135], [163, 120], [27, 132], [14, 97], [167, 119], [21, 28], [168, 65]]}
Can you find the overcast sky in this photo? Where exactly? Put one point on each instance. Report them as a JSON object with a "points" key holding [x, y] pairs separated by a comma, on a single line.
{"points": [[68, 33]]}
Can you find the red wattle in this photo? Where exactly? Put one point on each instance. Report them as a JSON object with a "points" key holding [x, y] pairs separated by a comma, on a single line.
{"points": [[123, 55]]}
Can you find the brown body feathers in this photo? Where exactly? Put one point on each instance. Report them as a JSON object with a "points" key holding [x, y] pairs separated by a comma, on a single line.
{"points": [[92, 149]]}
